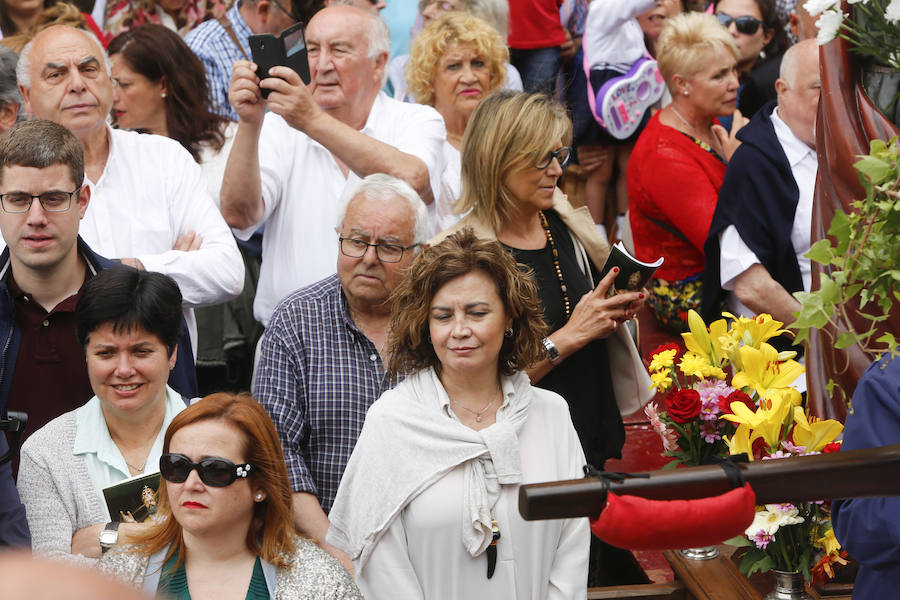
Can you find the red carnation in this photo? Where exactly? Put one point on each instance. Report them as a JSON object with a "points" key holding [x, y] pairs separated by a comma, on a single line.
{"points": [[683, 406], [664, 347], [735, 396], [832, 447]]}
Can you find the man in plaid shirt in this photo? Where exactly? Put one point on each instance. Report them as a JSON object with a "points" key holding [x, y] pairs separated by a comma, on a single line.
{"points": [[321, 362]]}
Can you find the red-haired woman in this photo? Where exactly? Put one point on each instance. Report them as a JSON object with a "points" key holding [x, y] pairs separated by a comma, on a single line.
{"points": [[224, 519]]}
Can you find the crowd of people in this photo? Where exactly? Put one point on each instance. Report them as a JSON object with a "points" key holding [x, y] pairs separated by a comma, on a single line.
{"points": [[383, 258]]}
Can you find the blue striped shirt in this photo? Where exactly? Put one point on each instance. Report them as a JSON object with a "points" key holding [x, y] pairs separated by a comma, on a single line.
{"points": [[317, 376], [216, 50]]}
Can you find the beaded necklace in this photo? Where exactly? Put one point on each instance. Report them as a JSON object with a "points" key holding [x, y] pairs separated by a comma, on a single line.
{"points": [[559, 275]]}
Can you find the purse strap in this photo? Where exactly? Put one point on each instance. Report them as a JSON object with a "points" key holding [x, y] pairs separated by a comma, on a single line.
{"points": [[229, 28]]}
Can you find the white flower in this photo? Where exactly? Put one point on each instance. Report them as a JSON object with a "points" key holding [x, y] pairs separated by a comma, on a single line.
{"points": [[829, 23], [892, 12], [814, 7], [771, 519]]}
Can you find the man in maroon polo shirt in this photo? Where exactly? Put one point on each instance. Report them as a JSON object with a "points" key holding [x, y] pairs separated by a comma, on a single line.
{"points": [[42, 201]]}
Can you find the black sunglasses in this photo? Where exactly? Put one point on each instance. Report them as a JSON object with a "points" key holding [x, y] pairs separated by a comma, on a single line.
{"points": [[747, 25], [214, 472]]}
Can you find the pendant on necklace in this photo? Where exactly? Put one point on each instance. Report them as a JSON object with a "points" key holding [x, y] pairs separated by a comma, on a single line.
{"points": [[478, 418]]}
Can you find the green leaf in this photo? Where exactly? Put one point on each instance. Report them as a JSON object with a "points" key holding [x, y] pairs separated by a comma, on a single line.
{"points": [[739, 541], [874, 168], [829, 291], [764, 564], [671, 464], [820, 252], [840, 229], [887, 339], [845, 340]]}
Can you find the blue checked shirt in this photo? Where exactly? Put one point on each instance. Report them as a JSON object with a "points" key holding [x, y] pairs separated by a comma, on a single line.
{"points": [[317, 376], [216, 50]]}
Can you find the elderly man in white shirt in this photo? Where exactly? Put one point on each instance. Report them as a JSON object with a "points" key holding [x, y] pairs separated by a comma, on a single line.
{"points": [[289, 168], [149, 202], [761, 227]]}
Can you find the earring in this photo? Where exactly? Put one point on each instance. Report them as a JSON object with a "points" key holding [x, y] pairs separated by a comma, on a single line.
{"points": [[685, 92], [163, 94], [259, 497], [508, 333]]}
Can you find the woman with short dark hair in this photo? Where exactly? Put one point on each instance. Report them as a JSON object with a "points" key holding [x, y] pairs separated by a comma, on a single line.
{"points": [[443, 453], [129, 323]]}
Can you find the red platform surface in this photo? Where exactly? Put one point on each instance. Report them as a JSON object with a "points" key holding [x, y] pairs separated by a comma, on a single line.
{"points": [[643, 449]]}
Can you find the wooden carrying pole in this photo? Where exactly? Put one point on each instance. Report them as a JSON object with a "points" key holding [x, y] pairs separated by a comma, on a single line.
{"points": [[850, 474]]}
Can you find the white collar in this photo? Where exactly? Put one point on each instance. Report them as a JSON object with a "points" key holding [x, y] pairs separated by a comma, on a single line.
{"points": [[794, 148]]}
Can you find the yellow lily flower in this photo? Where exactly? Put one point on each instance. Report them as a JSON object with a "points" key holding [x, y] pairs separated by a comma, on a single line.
{"points": [[741, 441], [766, 422], [789, 395], [829, 543], [697, 341], [816, 434], [763, 372], [757, 330], [705, 342]]}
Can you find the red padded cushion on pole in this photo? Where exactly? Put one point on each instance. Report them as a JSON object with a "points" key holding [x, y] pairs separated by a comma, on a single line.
{"points": [[641, 524]]}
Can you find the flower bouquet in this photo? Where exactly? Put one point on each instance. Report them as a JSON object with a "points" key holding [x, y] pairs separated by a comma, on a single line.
{"points": [[786, 537], [692, 429]]}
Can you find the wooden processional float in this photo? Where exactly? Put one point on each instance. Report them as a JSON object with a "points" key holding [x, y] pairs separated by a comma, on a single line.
{"points": [[849, 474]]}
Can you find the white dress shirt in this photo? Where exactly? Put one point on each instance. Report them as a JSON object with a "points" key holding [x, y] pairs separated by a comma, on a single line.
{"points": [[150, 192], [302, 187]]}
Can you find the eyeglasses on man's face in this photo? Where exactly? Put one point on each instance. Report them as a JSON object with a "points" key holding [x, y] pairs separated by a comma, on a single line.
{"points": [[52, 201], [561, 154], [747, 25], [357, 248]]}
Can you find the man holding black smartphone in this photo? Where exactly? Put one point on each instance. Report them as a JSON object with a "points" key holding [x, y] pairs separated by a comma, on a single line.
{"points": [[289, 167]]}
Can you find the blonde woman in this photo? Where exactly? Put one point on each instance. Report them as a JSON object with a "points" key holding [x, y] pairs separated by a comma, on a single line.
{"points": [[454, 63]]}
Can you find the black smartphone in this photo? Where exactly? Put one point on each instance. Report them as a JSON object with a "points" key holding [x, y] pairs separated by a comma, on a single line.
{"points": [[287, 49]]}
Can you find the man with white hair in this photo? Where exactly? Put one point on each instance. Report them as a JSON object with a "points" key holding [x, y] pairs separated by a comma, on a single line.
{"points": [[761, 227], [321, 364], [289, 167], [149, 204]]}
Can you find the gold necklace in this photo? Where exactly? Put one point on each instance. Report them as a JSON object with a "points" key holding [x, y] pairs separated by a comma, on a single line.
{"points": [[720, 150]]}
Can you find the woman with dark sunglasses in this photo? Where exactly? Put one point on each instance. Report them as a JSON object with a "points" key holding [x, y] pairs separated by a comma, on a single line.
{"points": [[761, 41], [129, 323], [224, 527]]}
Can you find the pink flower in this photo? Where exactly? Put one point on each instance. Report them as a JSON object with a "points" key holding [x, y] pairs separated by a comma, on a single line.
{"points": [[777, 454], [668, 437], [761, 539], [793, 448], [710, 432]]}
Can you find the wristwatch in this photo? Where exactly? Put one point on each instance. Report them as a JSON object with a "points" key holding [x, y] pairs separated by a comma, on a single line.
{"points": [[552, 351], [109, 536]]}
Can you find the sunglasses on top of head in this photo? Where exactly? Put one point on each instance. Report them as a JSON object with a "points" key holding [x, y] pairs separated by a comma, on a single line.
{"points": [[214, 472], [747, 25]]}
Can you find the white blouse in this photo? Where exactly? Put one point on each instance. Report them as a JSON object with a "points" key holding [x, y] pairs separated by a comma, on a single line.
{"points": [[421, 554]]}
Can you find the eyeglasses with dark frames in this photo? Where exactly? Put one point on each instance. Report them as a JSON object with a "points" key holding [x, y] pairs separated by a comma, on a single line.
{"points": [[53, 201], [286, 11], [560, 154], [357, 248], [214, 471], [747, 25]]}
